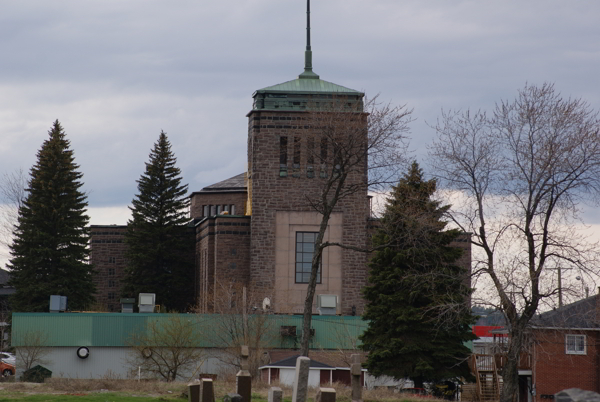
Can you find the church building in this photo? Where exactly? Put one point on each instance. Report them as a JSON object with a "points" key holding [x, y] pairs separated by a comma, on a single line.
{"points": [[258, 228]]}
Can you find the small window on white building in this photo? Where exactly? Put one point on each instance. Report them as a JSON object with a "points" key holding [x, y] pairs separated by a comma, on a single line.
{"points": [[575, 345]]}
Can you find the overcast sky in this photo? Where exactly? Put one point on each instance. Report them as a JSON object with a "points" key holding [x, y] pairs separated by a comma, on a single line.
{"points": [[116, 73]]}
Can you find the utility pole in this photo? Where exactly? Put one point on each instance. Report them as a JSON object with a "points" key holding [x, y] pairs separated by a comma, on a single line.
{"points": [[559, 270]]}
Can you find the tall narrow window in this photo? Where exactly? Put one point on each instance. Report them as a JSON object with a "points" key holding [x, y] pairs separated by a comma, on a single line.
{"points": [[296, 161], [213, 210], [323, 150], [310, 157], [337, 158], [323, 173], [205, 210], [283, 152], [232, 209], [296, 152], [305, 249]]}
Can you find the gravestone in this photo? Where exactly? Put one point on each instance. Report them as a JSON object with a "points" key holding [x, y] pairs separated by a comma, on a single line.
{"points": [[355, 371], [207, 393], [325, 395], [301, 380], [243, 379], [275, 394], [194, 391], [232, 397]]}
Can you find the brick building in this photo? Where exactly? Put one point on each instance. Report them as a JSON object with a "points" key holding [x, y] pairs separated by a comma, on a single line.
{"points": [[565, 349], [258, 228], [108, 257]]}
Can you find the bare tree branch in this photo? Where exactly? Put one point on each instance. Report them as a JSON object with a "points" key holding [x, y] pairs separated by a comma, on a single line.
{"points": [[521, 174]]}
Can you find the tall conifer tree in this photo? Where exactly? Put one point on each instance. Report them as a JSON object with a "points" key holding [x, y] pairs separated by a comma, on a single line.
{"points": [[50, 247], [160, 244], [417, 297]]}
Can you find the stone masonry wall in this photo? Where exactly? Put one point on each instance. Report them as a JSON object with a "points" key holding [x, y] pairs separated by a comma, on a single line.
{"points": [[108, 258], [199, 199], [271, 193], [223, 251]]}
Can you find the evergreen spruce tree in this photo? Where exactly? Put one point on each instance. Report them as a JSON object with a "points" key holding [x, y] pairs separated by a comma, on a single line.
{"points": [[417, 299], [50, 246], [160, 244]]}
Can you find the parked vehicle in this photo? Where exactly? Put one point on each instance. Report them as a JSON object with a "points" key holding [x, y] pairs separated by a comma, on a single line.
{"points": [[8, 358], [7, 369]]}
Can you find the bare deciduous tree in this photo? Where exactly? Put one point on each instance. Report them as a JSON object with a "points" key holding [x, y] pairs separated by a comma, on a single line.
{"points": [[242, 321], [34, 350], [12, 194], [521, 174], [168, 347], [365, 149]]}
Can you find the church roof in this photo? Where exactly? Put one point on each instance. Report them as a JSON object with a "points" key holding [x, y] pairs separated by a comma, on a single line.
{"points": [[235, 183], [307, 91], [310, 86]]}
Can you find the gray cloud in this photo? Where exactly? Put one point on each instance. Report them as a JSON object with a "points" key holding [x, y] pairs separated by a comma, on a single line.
{"points": [[115, 73]]}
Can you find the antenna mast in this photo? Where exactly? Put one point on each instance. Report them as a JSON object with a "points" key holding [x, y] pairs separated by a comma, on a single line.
{"points": [[308, 72]]}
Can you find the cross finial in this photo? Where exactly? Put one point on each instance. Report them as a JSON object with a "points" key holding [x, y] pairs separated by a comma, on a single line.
{"points": [[308, 72]]}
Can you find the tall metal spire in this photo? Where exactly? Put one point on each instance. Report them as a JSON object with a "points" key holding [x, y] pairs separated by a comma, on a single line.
{"points": [[308, 72]]}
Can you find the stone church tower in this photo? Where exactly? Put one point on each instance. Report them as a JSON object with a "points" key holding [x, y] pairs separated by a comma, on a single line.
{"points": [[289, 160]]}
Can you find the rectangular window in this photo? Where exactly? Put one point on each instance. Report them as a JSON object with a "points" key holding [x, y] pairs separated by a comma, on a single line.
{"points": [[205, 210], [111, 284], [111, 271], [575, 345], [213, 210], [112, 260], [111, 296], [296, 152], [219, 209], [323, 150], [226, 208], [283, 142], [305, 249], [232, 209], [310, 151]]}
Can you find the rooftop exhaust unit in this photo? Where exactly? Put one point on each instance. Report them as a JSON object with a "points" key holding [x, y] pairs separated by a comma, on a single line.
{"points": [[327, 304], [58, 303], [127, 305], [146, 302]]}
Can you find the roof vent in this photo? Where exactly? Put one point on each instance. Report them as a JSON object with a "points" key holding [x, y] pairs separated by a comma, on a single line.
{"points": [[327, 304], [58, 303], [146, 302]]}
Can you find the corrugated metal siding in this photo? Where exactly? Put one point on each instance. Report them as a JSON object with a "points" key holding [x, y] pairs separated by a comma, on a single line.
{"points": [[110, 362], [115, 329]]}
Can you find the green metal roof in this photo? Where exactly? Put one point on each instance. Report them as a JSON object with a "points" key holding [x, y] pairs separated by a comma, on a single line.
{"points": [[310, 86], [115, 329]]}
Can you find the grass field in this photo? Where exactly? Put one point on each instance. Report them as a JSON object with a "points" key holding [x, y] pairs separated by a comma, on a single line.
{"points": [[117, 390]]}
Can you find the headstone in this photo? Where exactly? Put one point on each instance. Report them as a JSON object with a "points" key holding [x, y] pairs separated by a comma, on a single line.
{"points": [[245, 354], [355, 371], [232, 397], [275, 394], [301, 380], [243, 379], [325, 395], [194, 391], [207, 393]]}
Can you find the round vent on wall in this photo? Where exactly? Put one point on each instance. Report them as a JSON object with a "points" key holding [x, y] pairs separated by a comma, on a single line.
{"points": [[83, 352]]}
